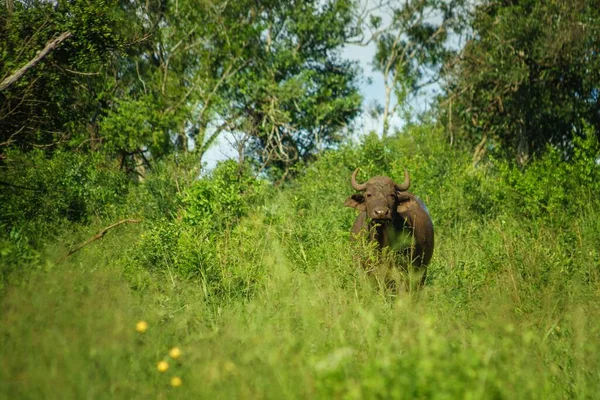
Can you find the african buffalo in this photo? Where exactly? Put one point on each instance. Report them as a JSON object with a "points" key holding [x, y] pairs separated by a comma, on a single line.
{"points": [[398, 221]]}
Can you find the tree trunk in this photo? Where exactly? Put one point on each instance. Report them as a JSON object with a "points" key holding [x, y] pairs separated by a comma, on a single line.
{"points": [[182, 139], [386, 110], [140, 166]]}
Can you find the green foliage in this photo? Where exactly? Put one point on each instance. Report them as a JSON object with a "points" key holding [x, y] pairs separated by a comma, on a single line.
{"points": [[56, 99], [161, 196], [221, 199], [299, 93], [528, 77], [48, 197], [16, 253], [69, 187], [135, 124], [146, 79], [206, 238], [260, 289], [550, 188]]}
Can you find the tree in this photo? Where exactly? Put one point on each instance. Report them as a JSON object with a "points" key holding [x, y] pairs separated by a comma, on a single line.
{"points": [[52, 55], [268, 73], [138, 79], [169, 89], [528, 76], [296, 93], [412, 43]]}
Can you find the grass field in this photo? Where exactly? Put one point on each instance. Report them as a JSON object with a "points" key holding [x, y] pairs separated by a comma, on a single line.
{"points": [[269, 303]]}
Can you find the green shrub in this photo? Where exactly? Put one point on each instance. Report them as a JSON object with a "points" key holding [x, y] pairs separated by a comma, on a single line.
{"points": [[219, 200], [552, 188], [41, 192], [43, 197], [206, 236]]}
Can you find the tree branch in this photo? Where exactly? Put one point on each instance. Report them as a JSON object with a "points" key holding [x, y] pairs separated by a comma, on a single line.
{"points": [[51, 45], [11, 138], [208, 142], [363, 39], [99, 235]]}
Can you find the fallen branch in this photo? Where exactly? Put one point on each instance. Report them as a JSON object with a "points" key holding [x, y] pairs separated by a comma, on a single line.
{"points": [[99, 235], [51, 45]]}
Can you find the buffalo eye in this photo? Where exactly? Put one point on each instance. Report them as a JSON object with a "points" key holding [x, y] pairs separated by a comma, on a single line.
{"points": [[369, 195]]}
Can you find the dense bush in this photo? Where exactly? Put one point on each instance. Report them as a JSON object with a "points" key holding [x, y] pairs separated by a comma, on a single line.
{"points": [[203, 236], [45, 191], [42, 197], [219, 200]]}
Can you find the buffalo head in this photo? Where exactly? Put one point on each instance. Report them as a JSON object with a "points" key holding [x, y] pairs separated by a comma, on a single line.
{"points": [[380, 196]]}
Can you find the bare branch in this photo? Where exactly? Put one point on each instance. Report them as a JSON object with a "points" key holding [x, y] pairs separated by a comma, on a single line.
{"points": [[82, 73], [99, 235], [51, 45], [225, 77], [373, 35], [213, 137], [26, 44], [145, 37], [137, 69], [10, 139]]}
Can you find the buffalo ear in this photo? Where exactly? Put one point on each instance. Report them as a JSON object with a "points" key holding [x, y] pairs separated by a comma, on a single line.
{"points": [[403, 203], [356, 201]]}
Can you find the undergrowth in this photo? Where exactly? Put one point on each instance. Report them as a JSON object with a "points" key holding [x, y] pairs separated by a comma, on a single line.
{"points": [[258, 286]]}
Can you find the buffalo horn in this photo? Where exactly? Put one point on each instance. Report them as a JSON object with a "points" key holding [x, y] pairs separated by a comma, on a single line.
{"points": [[405, 185], [356, 185]]}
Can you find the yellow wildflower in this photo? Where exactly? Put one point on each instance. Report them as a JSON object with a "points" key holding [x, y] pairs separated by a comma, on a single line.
{"points": [[176, 381], [175, 353], [162, 366], [141, 326]]}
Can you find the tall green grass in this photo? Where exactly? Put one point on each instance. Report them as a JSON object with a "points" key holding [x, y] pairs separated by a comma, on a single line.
{"points": [[265, 300]]}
